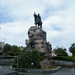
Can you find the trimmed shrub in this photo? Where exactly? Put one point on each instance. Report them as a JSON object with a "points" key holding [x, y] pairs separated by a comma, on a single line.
{"points": [[1, 53], [29, 59], [64, 58]]}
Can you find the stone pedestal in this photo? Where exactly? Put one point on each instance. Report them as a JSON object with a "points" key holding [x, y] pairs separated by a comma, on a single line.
{"points": [[37, 41]]}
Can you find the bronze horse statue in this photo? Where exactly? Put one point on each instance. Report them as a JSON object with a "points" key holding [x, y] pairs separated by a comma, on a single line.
{"points": [[37, 20]]}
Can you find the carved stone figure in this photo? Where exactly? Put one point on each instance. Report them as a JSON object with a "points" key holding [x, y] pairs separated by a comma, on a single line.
{"points": [[37, 19]]}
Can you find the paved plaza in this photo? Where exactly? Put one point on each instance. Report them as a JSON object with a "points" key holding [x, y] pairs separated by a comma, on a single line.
{"points": [[7, 72]]}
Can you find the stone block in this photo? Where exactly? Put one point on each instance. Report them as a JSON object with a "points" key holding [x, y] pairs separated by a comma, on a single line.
{"points": [[27, 42], [39, 41], [38, 31], [43, 50]]}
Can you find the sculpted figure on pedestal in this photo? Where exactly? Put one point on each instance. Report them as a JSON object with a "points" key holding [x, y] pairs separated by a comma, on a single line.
{"points": [[37, 19]]}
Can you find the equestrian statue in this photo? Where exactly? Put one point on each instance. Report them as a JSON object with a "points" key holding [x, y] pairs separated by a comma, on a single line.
{"points": [[37, 19]]}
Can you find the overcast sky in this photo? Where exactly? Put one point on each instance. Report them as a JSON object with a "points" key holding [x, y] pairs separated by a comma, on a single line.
{"points": [[58, 17]]}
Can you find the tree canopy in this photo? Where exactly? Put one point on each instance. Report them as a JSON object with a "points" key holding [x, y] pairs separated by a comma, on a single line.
{"points": [[60, 51], [6, 48], [72, 49], [10, 50], [14, 50], [0, 48]]}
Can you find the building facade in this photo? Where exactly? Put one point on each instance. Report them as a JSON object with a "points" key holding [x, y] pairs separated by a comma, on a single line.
{"points": [[2, 44]]}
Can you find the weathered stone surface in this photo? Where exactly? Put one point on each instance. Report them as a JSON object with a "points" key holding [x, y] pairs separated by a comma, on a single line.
{"points": [[36, 33], [27, 42], [45, 63], [37, 41]]}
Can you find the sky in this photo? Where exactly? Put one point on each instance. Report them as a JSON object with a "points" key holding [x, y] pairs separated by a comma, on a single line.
{"points": [[58, 17]]}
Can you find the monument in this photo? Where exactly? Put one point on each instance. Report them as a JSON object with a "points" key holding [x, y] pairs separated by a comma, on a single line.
{"points": [[37, 40]]}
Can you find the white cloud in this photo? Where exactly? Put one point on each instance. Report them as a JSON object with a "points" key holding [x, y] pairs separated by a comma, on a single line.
{"points": [[20, 9], [54, 3], [13, 32], [58, 20]]}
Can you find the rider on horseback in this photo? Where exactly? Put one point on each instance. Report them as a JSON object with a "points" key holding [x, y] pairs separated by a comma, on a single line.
{"points": [[38, 20]]}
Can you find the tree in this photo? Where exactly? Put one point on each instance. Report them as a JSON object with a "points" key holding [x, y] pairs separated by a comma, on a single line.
{"points": [[14, 50], [6, 48], [59, 51], [72, 49], [29, 59], [11, 50], [0, 48]]}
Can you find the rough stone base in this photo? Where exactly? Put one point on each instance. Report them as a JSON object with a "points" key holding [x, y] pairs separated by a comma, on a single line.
{"points": [[37, 41]]}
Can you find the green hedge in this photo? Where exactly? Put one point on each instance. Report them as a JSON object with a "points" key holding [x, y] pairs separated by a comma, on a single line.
{"points": [[28, 60], [1, 53], [64, 58]]}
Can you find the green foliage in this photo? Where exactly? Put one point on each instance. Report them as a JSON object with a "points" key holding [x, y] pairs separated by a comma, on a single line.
{"points": [[6, 48], [72, 49], [64, 58], [25, 58], [14, 50], [11, 53], [24, 49], [11, 50], [0, 48], [1, 53], [14, 65], [60, 51]]}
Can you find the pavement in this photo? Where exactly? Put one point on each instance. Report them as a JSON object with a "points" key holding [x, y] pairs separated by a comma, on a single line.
{"points": [[7, 72]]}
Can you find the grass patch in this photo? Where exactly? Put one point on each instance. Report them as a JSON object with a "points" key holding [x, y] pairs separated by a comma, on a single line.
{"points": [[53, 67]]}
